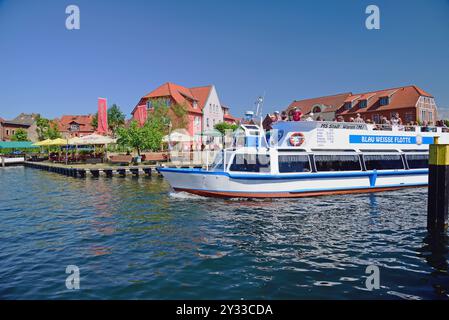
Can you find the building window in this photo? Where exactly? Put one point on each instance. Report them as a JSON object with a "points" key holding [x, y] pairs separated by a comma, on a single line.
{"points": [[376, 118], [348, 105], [423, 115], [195, 104], [409, 117], [168, 102], [316, 109], [7, 132], [74, 127], [197, 121], [430, 116], [207, 122], [384, 101], [363, 103], [149, 104]]}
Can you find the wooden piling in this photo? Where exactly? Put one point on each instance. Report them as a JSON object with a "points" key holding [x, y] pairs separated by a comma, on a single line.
{"points": [[438, 196]]}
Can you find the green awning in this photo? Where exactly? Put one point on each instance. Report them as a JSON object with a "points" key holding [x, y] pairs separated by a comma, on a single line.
{"points": [[16, 145]]}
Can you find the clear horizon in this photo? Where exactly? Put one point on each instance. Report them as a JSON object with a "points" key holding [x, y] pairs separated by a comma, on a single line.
{"points": [[288, 50]]}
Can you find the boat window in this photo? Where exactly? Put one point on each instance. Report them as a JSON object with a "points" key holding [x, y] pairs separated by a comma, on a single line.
{"points": [[218, 162], [294, 163], [250, 163], [337, 162], [383, 161], [417, 161]]}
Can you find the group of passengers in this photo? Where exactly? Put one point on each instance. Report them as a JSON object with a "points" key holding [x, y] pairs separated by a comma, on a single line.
{"points": [[296, 114]]}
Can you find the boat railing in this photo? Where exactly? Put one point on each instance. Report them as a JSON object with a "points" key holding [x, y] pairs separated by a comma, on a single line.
{"points": [[407, 128]]}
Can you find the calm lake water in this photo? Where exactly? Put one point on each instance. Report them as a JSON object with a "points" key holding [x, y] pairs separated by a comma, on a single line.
{"points": [[134, 239]]}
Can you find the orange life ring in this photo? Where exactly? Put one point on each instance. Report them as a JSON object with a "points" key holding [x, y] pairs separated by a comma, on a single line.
{"points": [[296, 139]]}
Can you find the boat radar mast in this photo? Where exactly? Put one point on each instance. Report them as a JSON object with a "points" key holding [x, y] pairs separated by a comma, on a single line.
{"points": [[259, 105]]}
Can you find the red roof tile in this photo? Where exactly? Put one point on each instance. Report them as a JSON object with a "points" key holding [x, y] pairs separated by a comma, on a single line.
{"points": [[332, 102], [403, 97], [352, 98], [84, 121], [229, 117], [181, 95]]}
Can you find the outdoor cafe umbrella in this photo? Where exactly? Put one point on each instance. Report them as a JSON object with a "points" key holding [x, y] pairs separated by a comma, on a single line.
{"points": [[42, 143], [57, 142], [177, 137], [92, 139]]}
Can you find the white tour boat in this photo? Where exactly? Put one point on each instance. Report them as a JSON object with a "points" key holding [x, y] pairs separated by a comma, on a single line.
{"points": [[298, 159]]}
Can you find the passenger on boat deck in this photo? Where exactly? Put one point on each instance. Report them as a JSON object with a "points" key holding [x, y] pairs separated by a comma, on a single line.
{"points": [[425, 126], [368, 121], [351, 119], [384, 121], [296, 114], [310, 117], [319, 118], [340, 119], [442, 125], [276, 116], [284, 116], [395, 120], [359, 119]]}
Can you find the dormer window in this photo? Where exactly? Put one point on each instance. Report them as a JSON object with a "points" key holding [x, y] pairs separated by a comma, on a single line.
{"points": [[363, 103], [316, 109], [348, 105], [74, 127], [195, 104], [384, 101]]}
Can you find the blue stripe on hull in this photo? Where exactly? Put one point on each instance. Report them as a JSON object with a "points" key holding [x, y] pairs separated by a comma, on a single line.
{"points": [[299, 176]]}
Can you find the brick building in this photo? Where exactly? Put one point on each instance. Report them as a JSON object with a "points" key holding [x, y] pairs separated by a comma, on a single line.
{"points": [[204, 109], [23, 121], [411, 102], [75, 125]]}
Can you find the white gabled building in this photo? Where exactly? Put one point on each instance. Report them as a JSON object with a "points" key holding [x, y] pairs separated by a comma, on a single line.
{"points": [[211, 107]]}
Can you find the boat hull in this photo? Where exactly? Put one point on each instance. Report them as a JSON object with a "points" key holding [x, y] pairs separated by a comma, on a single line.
{"points": [[230, 195], [226, 185]]}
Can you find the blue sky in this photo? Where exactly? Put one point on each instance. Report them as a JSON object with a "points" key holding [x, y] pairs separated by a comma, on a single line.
{"points": [[287, 49]]}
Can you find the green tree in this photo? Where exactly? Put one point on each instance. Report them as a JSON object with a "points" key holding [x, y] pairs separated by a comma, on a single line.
{"points": [[116, 119], [47, 129], [223, 126], [20, 135], [150, 135], [179, 119]]}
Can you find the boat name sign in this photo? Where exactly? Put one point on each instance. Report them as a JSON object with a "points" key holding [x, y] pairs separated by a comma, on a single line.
{"points": [[388, 139]]}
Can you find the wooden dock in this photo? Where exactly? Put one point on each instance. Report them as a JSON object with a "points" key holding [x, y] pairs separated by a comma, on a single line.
{"points": [[104, 170], [83, 171]]}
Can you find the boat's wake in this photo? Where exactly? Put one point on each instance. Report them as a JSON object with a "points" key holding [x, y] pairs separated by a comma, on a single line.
{"points": [[181, 195]]}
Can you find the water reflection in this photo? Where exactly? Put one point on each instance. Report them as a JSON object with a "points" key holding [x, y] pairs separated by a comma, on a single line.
{"points": [[133, 239]]}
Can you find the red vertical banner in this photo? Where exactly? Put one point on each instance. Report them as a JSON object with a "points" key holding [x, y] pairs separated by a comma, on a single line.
{"points": [[141, 115], [102, 116]]}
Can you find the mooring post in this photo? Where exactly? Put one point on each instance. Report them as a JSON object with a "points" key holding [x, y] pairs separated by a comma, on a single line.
{"points": [[438, 197], [3, 161]]}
